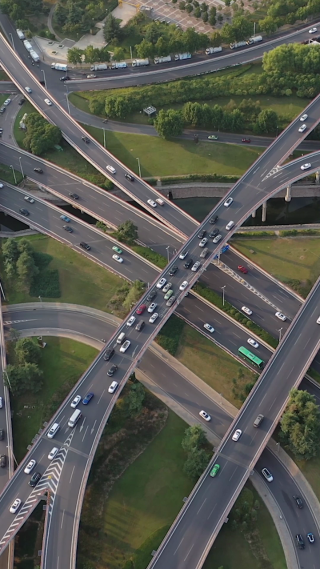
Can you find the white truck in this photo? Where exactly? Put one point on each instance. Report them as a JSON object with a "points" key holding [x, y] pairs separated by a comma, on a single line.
{"points": [[20, 35], [237, 44], [165, 59], [211, 50], [254, 39], [59, 66], [99, 67], [34, 55], [27, 45], [180, 56], [140, 62], [118, 65]]}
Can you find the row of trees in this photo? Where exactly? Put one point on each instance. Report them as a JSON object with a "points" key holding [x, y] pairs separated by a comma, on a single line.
{"points": [[300, 425], [195, 445], [19, 262], [40, 134], [19, 10], [90, 54], [25, 374]]}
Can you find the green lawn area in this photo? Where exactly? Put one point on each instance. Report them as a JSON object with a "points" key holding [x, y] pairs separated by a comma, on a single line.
{"points": [[63, 361], [6, 174], [212, 364], [292, 260], [81, 280]]}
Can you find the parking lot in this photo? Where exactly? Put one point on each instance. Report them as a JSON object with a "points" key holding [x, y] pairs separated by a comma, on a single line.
{"points": [[168, 12]]}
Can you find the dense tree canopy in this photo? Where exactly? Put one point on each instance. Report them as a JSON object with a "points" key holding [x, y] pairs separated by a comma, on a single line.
{"points": [[40, 135], [300, 425]]}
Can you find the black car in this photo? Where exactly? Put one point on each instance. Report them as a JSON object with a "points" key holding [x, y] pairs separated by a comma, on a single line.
{"points": [[24, 212], [34, 479], [74, 196], [173, 270], [65, 78], [152, 294], [300, 542], [298, 501], [140, 325], [202, 234], [21, 102], [85, 246], [1, 434], [38, 170], [112, 370], [108, 354], [214, 219], [188, 264], [129, 177], [3, 461], [42, 82], [214, 233], [68, 228], [85, 139]]}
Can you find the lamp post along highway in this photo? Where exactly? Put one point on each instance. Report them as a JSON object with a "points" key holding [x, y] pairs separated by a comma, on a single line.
{"points": [[22, 174], [104, 139], [168, 252], [139, 167], [14, 174], [44, 78], [280, 334], [223, 287], [11, 36]]}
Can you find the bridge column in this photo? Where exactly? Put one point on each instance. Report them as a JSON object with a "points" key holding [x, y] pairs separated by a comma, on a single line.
{"points": [[264, 212], [254, 213], [317, 177], [288, 194]]}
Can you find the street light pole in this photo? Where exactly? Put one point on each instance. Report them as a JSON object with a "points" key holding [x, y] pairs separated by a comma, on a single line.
{"points": [[14, 174], [44, 78], [22, 174], [223, 287], [40, 299], [12, 41], [104, 138], [280, 335], [167, 248], [139, 166]]}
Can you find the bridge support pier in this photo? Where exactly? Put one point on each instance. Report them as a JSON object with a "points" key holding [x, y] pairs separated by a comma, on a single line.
{"points": [[317, 177], [254, 213], [288, 194], [264, 212]]}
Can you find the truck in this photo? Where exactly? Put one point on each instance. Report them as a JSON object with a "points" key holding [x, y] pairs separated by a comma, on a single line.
{"points": [[165, 59], [27, 45], [59, 66], [237, 44], [180, 56], [99, 67], [211, 50], [34, 55], [140, 62], [118, 65], [20, 35], [254, 39]]}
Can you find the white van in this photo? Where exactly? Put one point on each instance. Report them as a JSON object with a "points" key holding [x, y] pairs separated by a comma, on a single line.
{"points": [[74, 418], [160, 201], [121, 338], [53, 430]]}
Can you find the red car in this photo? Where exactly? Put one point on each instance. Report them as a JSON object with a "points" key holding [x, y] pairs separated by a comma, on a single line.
{"points": [[246, 140], [242, 269], [141, 309]]}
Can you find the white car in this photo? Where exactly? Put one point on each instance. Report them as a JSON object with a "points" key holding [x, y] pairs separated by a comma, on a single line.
{"points": [[217, 239], [267, 474], [28, 89], [302, 128], [48, 102], [76, 401], [183, 285], [131, 321], [113, 387], [1, 185], [53, 453], [304, 117], [167, 287], [313, 31], [203, 242], [30, 466], [281, 316], [15, 506], [161, 282], [228, 202], [125, 346], [29, 199], [253, 343], [183, 255], [196, 266], [152, 307], [306, 166], [152, 203], [1, 403], [246, 310], [111, 169], [236, 435], [117, 258], [318, 320], [229, 225], [205, 415], [153, 318], [7, 102], [209, 328]]}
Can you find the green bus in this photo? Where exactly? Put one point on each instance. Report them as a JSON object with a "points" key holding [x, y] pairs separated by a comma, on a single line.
{"points": [[247, 355]]}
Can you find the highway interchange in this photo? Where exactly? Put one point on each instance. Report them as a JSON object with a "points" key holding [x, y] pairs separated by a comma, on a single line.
{"points": [[284, 150]]}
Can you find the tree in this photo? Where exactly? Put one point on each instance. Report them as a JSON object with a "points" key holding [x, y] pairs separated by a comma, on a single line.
{"points": [[127, 232], [205, 16], [96, 106], [194, 438], [92, 54], [212, 17], [10, 250], [300, 425], [268, 25], [145, 49], [27, 351], [196, 462], [134, 399], [26, 269], [75, 55], [215, 39], [133, 295], [112, 28], [267, 121], [168, 123], [24, 378], [118, 53], [40, 135], [242, 28], [228, 33], [197, 12]]}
